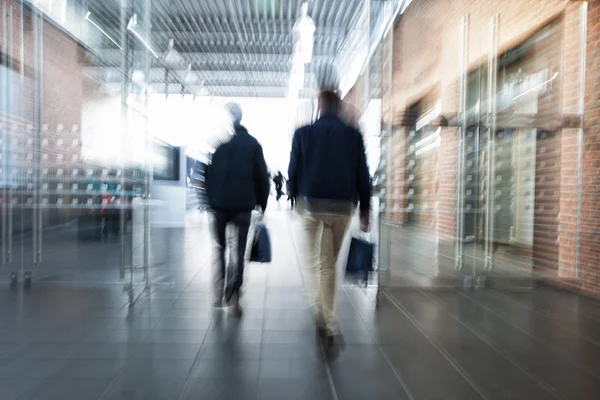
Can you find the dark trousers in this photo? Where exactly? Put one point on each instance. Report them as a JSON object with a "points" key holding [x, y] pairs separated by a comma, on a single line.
{"points": [[235, 269]]}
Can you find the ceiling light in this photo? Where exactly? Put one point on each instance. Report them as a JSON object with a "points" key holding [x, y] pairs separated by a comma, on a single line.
{"points": [[130, 27], [87, 18], [303, 37]]}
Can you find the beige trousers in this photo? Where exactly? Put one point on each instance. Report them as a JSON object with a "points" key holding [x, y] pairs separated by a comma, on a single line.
{"points": [[325, 235]]}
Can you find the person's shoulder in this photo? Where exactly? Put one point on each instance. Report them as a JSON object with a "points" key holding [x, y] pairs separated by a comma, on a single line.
{"points": [[252, 140], [351, 129], [221, 147], [355, 131], [302, 131]]}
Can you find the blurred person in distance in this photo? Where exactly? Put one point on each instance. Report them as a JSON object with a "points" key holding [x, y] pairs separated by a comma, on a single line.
{"points": [[237, 181], [328, 171], [278, 180]]}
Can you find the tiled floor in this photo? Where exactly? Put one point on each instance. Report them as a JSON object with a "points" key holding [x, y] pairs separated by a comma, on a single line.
{"points": [[78, 341], [420, 258]]}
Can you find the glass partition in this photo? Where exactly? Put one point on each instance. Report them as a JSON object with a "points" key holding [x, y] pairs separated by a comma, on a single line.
{"points": [[70, 178], [483, 156]]}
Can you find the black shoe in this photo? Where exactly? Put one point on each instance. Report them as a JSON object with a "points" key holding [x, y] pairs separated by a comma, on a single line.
{"points": [[329, 342], [321, 332], [236, 310]]}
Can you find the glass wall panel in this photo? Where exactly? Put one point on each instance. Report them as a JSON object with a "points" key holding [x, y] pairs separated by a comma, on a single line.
{"points": [[73, 147], [485, 176]]}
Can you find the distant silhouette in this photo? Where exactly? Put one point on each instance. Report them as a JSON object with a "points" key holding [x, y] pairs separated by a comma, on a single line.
{"points": [[278, 180]]}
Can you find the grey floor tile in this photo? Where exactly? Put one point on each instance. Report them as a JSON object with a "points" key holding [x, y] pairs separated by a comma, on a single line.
{"points": [[226, 335], [150, 368], [65, 341], [105, 350], [196, 295], [293, 369], [146, 388], [8, 350], [302, 338], [105, 312], [132, 322], [278, 315], [30, 368], [291, 324], [48, 351], [11, 336], [410, 362], [294, 389], [221, 389], [286, 304], [192, 304], [13, 389], [116, 336], [226, 351], [191, 313], [166, 351], [68, 389], [247, 323], [91, 368], [58, 336], [176, 336], [291, 352], [358, 336], [226, 368], [163, 295], [198, 323], [381, 387]]}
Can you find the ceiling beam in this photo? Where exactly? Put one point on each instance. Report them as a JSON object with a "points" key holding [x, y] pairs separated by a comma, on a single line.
{"points": [[107, 56]]}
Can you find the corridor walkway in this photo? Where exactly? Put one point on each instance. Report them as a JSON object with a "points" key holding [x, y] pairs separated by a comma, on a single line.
{"points": [[76, 341]]}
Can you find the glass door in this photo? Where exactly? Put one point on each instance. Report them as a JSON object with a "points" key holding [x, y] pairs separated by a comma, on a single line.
{"points": [[73, 148], [20, 56], [473, 147], [514, 130], [92, 153]]}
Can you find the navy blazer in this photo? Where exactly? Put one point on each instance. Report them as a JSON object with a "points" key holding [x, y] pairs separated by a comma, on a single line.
{"points": [[328, 162]]}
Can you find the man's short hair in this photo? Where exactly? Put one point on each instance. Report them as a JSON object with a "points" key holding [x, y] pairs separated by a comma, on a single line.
{"points": [[329, 102], [235, 111]]}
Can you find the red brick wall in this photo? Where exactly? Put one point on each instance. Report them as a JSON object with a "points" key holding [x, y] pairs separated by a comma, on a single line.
{"points": [[396, 183], [447, 184], [426, 192], [426, 54], [62, 91], [589, 259], [61, 107]]}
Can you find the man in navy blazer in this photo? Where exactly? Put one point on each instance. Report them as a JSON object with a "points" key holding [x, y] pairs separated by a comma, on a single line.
{"points": [[328, 173]]}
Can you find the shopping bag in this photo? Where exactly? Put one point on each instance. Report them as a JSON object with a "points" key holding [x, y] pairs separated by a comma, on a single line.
{"points": [[360, 260], [261, 245]]}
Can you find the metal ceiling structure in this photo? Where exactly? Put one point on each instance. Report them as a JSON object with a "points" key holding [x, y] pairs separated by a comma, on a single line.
{"points": [[229, 48]]}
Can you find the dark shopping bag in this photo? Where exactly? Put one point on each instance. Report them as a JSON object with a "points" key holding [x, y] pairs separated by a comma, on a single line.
{"points": [[261, 245], [360, 260]]}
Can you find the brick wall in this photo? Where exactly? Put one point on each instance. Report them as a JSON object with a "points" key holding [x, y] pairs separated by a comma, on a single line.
{"points": [[61, 109], [589, 271], [426, 54]]}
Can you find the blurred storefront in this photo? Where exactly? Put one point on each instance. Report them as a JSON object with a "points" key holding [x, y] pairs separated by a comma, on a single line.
{"points": [[487, 174]]}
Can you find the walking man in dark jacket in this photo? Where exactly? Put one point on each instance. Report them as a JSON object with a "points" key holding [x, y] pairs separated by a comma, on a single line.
{"points": [[237, 181], [328, 172]]}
